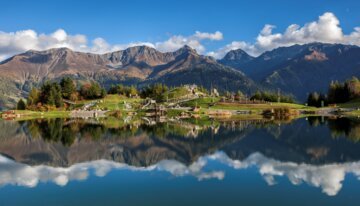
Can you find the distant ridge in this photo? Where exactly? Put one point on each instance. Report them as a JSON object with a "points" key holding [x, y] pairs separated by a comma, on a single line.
{"points": [[300, 69]]}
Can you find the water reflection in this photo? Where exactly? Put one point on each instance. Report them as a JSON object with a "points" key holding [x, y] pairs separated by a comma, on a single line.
{"points": [[327, 177], [339, 126], [318, 151]]}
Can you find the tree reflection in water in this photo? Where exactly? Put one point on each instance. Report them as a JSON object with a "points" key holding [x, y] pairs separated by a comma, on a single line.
{"points": [[67, 130], [339, 126]]}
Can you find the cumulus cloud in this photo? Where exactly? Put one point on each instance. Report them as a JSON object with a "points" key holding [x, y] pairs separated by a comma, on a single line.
{"points": [[212, 36], [16, 42], [326, 29], [194, 41], [20, 41]]}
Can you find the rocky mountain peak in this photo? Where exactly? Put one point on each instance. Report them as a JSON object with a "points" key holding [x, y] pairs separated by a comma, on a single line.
{"points": [[187, 49], [238, 55], [236, 58]]}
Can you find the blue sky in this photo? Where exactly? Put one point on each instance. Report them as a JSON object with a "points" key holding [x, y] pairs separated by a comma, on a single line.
{"points": [[124, 22]]}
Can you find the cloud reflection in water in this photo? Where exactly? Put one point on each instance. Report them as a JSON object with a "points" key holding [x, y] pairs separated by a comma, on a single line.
{"points": [[327, 177]]}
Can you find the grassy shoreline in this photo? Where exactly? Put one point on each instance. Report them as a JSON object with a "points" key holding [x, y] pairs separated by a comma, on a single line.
{"points": [[207, 106]]}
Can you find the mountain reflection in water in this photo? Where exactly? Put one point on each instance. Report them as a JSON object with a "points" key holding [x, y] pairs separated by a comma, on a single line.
{"points": [[319, 151]]}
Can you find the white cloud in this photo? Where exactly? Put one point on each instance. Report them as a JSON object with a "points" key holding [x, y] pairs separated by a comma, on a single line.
{"points": [[232, 46], [212, 36], [194, 41], [20, 41], [16, 42], [326, 29]]}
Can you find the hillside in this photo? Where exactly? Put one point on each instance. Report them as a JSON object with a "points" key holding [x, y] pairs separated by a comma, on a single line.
{"points": [[136, 65]]}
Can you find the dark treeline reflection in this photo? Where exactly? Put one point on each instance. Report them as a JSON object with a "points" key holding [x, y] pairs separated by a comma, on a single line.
{"points": [[339, 126], [318, 140], [63, 130], [67, 130]]}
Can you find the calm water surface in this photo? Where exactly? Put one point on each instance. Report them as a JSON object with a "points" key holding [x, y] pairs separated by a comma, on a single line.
{"points": [[314, 161]]}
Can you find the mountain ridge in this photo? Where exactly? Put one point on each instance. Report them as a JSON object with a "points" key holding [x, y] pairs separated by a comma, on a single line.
{"points": [[301, 69], [139, 65], [296, 69]]}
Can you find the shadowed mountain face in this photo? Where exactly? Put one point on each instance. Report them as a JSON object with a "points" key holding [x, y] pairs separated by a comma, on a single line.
{"points": [[301, 69], [136, 65], [62, 143], [236, 59]]}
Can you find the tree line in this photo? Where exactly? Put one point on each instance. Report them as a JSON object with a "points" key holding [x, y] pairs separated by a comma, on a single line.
{"points": [[337, 93], [272, 97], [51, 95]]}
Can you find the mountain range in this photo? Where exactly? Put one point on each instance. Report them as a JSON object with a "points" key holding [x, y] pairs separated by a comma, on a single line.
{"points": [[139, 65], [297, 69]]}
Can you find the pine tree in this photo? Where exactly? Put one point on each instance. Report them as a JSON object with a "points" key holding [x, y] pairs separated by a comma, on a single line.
{"points": [[21, 105], [92, 91], [67, 87], [50, 94], [34, 96]]}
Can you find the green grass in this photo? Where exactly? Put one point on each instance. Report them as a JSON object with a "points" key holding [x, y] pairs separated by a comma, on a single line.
{"points": [[177, 93], [27, 114], [206, 104], [214, 103], [355, 113], [174, 112], [259, 108], [201, 102], [351, 104], [116, 102]]}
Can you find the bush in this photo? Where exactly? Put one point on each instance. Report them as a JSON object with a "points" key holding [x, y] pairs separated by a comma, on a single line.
{"points": [[156, 91], [92, 91], [123, 90]]}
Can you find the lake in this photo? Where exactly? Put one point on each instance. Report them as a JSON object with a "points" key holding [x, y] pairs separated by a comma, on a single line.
{"points": [[308, 161]]}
